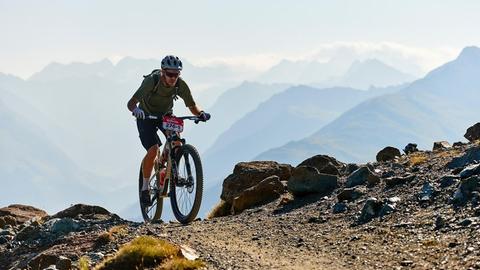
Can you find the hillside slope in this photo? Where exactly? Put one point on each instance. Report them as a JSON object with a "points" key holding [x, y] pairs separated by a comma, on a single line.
{"points": [[421, 212]]}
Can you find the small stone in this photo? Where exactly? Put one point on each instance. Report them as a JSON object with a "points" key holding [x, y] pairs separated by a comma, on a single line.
{"points": [[313, 220], [427, 193], [387, 209], [439, 222], [339, 208], [406, 263], [452, 244], [467, 222]]}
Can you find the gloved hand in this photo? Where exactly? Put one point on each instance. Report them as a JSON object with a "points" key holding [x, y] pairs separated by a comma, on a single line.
{"points": [[204, 116], [138, 113]]}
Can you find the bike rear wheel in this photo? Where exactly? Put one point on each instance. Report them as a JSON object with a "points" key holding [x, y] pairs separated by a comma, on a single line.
{"points": [[187, 188], [151, 212]]}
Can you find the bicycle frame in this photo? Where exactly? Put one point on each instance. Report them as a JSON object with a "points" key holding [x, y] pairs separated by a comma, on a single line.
{"points": [[182, 182]]}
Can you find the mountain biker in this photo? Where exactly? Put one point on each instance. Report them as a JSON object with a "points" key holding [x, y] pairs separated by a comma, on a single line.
{"points": [[155, 96]]}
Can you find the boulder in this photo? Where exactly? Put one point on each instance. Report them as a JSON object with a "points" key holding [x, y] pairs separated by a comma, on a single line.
{"points": [[81, 209], [473, 133], [441, 145], [267, 190], [324, 164], [465, 190], [370, 209], [410, 148], [350, 168], [470, 170], [458, 144], [307, 180], [388, 153], [351, 194], [471, 156], [42, 261], [393, 181], [63, 263], [249, 174], [448, 180], [16, 214], [362, 176], [62, 225]]}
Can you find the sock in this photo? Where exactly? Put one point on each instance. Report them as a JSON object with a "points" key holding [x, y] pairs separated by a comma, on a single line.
{"points": [[145, 183]]}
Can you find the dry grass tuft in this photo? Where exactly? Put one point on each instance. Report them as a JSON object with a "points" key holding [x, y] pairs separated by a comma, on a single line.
{"points": [[182, 264], [142, 252], [114, 232], [84, 263], [450, 153], [417, 158], [119, 230], [222, 209], [103, 239]]}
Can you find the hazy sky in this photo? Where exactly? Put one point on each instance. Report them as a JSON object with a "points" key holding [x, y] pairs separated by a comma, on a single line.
{"points": [[257, 33]]}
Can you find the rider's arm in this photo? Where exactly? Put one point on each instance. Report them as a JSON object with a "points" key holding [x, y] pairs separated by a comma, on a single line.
{"points": [[195, 110], [132, 104], [146, 85]]}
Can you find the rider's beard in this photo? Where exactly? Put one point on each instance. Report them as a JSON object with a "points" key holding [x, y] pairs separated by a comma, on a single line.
{"points": [[169, 82]]}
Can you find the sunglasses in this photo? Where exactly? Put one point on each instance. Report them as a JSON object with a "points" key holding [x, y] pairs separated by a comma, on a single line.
{"points": [[172, 74]]}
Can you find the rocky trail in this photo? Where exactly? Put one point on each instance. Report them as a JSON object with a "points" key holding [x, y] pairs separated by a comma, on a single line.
{"points": [[419, 210]]}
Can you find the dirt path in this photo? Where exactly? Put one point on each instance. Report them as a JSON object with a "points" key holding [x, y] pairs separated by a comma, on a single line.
{"points": [[252, 241]]}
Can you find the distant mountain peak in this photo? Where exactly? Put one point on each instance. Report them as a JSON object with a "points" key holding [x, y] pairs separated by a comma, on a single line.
{"points": [[470, 52]]}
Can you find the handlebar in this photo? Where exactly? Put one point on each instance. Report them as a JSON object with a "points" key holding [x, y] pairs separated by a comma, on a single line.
{"points": [[196, 119]]}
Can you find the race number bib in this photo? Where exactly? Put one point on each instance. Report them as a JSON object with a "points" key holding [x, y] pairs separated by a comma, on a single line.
{"points": [[172, 123]]}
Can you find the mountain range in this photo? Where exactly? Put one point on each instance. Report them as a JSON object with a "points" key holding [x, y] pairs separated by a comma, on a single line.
{"points": [[437, 106]]}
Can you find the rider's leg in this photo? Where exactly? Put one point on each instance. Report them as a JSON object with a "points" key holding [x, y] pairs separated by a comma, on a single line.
{"points": [[148, 136], [149, 160]]}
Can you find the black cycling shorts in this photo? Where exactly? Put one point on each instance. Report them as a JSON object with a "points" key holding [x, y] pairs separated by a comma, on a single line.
{"points": [[147, 130]]}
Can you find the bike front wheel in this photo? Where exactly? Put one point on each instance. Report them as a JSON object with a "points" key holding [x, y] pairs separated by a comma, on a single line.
{"points": [[187, 188], [151, 212]]}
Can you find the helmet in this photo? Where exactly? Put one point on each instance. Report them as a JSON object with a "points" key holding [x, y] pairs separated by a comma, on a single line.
{"points": [[171, 62]]}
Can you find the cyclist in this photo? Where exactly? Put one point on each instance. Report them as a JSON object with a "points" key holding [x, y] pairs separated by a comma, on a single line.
{"points": [[155, 96]]}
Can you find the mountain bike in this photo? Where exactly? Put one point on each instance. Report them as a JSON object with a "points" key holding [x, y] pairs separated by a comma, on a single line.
{"points": [[181, 178]]}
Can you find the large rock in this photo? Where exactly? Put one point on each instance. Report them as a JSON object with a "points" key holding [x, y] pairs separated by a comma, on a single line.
{"points": [[441, 145], [370, 209], [473, 133], [249, 174], [471, 156], [394, 181], [42, 261], [19, 214], [470, 170], [267, 190], [351, 194], [410, 148], [307, 180], [81, 209], [388, 153], [362, 176], [466, 189], [324, 164]]}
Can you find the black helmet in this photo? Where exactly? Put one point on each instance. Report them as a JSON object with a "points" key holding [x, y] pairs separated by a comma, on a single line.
{"points": [[171, 62]]}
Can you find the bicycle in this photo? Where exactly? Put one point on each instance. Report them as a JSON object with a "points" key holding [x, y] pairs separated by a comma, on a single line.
{"points": [[179, 179]]}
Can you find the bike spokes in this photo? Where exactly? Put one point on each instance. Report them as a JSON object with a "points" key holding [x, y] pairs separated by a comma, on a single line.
{"points": [[186, 193]]}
